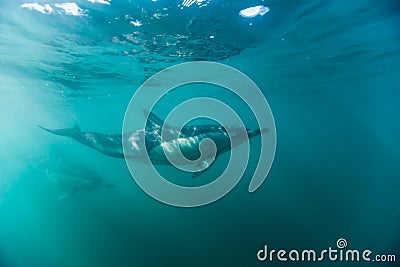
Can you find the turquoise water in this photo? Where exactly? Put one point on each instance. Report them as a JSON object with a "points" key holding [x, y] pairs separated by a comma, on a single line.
{"points": [[329, 69]]}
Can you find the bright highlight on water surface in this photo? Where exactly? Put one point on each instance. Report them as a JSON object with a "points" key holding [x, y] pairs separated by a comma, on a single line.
{"points": [[251, 12], [104, 2], [45, 9], [188, 3], [136, 23], [69, 8]]}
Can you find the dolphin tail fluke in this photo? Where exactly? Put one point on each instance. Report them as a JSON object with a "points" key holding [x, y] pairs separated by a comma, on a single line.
{"points": [[71, 132]]}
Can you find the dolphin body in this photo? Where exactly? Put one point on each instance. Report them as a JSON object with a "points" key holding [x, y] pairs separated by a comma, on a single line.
{"points": [[73, 178], [69, 177], [189, 138]]}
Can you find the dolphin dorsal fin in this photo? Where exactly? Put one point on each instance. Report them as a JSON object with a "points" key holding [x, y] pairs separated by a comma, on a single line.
{"points": [[76, 128], [153, 121]]}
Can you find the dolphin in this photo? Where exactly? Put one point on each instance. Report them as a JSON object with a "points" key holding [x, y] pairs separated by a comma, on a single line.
{"points": [[70, 177], [189, 138]]}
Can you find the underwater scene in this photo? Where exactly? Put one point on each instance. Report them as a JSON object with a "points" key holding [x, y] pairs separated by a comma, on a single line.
{"points": [[199, 133]]}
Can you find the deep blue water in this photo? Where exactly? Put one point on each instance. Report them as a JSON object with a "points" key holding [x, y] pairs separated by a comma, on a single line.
{"points": [[329, 70]]}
